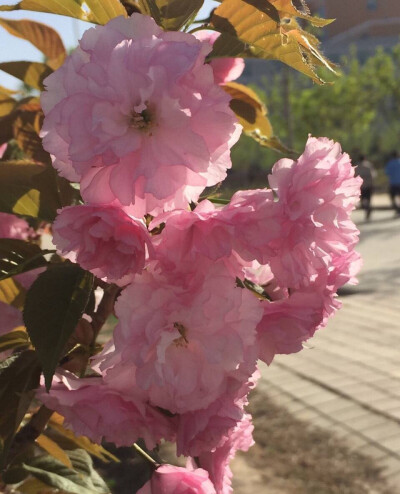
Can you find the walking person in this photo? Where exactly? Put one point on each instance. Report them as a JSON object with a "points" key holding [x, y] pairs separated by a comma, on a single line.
{"points": [[365, 169], [392, 170]]}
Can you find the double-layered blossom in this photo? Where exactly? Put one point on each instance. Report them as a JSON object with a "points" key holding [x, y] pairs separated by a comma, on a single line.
{"points": [[209, 429], [217, 462], [103, 240], [96, 409], [237, 234], [316, 195], [169, 479], [135, 115], [187, 343]]}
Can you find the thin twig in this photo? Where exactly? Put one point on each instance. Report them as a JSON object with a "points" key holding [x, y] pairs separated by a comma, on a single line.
{"points": [[145, 455]]}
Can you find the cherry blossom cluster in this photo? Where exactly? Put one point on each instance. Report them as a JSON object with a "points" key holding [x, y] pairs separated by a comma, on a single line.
{"points": [[138, 117]]}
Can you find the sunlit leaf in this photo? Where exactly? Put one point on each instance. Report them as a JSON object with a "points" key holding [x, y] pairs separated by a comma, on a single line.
{"points": [[171, 14], [7, 102], [45, 38], [16, 339], [26, 128], [12, 293], [269, 30], [31, 73], [54, 304], [103, 11], [54, 450], [19, 377], [18, 256], [56, 423], [28, 188], [97, 11], [252, 115]]}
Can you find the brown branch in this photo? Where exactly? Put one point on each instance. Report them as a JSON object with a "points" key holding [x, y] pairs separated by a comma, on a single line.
{"points": [[29, 432]]}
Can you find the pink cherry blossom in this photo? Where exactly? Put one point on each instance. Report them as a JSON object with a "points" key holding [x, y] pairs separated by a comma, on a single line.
{"points": [[287, 323], [237, 234], [103, 240], [10, 318], [3, 148], [187, 343], [206, 430], [225, 69], [169, 479], [135, 115], [217, 462], [13, 227], [95, 409], [316, 196]]}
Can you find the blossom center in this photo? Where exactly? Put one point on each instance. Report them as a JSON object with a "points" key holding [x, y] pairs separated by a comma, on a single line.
{"points": [[182, 341], [141, 120]]}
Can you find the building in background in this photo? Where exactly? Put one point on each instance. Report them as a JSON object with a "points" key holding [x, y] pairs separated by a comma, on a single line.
{"points": [[366, 24]]}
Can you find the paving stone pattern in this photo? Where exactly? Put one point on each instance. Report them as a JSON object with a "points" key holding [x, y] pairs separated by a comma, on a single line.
{"points": [[348, 380]]}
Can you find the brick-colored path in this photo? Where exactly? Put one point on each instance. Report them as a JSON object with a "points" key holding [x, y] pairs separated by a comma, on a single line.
{"points": [[349, 380]]}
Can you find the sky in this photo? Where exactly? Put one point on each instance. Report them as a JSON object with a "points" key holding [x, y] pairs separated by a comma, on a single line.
{"points": [[70, 30]]}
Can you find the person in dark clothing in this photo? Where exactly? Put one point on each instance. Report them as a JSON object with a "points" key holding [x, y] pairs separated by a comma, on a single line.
{"points": [[366, 171], [392, 170]]}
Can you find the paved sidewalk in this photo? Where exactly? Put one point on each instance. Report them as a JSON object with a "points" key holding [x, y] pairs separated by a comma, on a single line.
{"points": [[349, 379]]}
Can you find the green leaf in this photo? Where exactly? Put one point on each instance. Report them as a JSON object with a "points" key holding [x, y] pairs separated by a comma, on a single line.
{"points": [[18, 256], [19, 377], [45, 38], [28, 188], [83, 464], [54, 304], [95, 11], [31, 73], [16, 339], [171, 14], [54, 474], [269, 30]]}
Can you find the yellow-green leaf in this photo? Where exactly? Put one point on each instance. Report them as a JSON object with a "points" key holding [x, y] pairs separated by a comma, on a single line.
{"points": [[171, 14], [253, 116], [56, 423], [269, 30], [18, 338], [29, 188], [12, 293], [45, 38], [7, 105], [31, 73], [103, 11], [97, 11], [54, 450]]}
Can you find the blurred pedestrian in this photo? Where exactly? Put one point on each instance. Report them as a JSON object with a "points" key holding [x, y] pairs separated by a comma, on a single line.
{"points": [[365, 169], [392, 170]]}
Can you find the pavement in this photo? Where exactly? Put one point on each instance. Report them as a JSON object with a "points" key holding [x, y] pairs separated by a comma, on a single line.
{"points": [[347, 380]]}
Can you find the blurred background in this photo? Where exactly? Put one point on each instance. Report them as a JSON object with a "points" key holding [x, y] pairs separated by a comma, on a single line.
{"points": [[327, 420]]}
